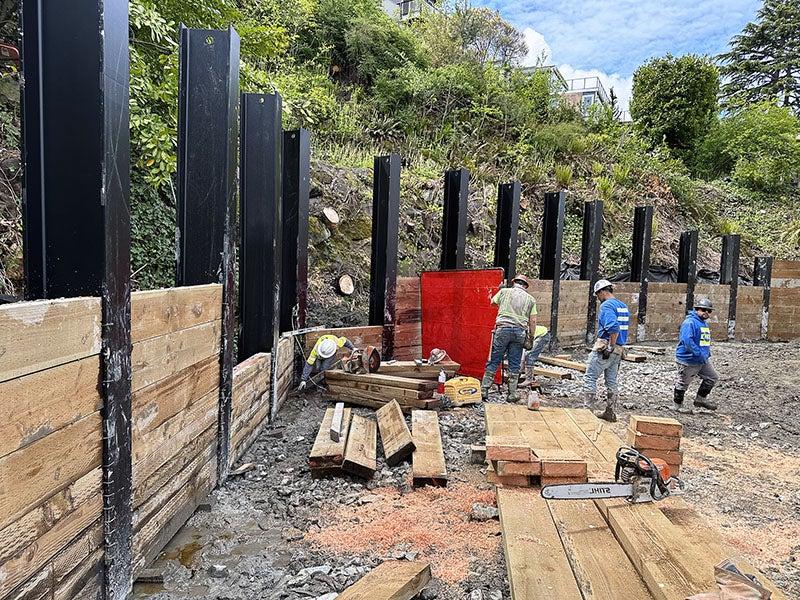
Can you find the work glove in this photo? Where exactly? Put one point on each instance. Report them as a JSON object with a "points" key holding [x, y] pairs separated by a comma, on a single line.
{"points": [[606, 353], [302, 386]]}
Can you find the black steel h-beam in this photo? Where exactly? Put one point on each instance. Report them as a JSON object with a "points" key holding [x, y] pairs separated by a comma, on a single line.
{"points": [[208, 105], [640, 261], [77, 214], [260, 223], [590, 258], [505, 242], [454, 219], [295, 195], [687, 265], [383, 269], [552, 242], [762, 276], [729, 274]]}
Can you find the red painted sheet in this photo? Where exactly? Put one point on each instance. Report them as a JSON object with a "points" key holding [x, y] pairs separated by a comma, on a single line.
{"points": [[458, 317]]}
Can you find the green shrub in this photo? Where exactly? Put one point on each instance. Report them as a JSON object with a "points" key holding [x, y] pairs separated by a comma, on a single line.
{"points": [[563, 176], [605, 188]]}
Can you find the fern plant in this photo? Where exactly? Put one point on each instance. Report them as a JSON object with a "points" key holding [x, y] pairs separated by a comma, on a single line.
{"points": [[563, 176], [605, 188]]}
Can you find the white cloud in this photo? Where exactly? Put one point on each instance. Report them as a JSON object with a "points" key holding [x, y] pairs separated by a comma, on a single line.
{"points": [[623, 86], [539, 52]]}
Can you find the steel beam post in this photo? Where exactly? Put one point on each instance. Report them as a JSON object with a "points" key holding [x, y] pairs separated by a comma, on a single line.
{"points": [[640, 262], [687, 265], [505, 243], [296, 185], [260, 252], [552, 242], [762, 276], [383, 269], [207, 159], [454, 219], [590, 259], [77, 214], [729, 274]]}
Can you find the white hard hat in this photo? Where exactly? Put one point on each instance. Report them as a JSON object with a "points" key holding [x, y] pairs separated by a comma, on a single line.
{"points": [[327, 348], [602, 284]]}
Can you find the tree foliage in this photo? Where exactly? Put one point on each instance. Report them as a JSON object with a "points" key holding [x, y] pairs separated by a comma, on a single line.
{"points": [[763, 62], [675, 100]]}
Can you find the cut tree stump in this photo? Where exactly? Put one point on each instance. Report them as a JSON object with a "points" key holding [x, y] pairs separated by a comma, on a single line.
{"points": [[345, 285], [331, 217]]}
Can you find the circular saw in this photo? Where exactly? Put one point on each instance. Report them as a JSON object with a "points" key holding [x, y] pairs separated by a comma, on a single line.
{"points": [[363, 361]]}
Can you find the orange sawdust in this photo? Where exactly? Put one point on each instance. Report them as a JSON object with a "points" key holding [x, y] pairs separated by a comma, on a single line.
{"points": [[433, 522]]}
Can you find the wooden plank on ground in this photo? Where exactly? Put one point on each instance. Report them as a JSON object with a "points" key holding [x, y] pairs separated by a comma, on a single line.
{"points": [[407, 368], [635, 358], [395, 436], [428, 466], [380, 398], [551, 373], [391, 580], [38, 335], [384, 380], [336, 422], [162, 311], [325, 453], [535, 560], [567, 364], [36, 405], [656, 425], [602, 569], [388, 392], [361, 448]]}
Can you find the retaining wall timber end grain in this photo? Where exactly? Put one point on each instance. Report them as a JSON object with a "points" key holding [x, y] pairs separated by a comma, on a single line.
{"points": [[51, 500]]}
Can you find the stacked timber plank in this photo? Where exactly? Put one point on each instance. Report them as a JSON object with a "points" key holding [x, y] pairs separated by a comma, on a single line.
{"points": [[250, 402], [512, 462], [408, 327], [391, 580], [327, 455], [51, 503], [373, 390], [658, 437], [609, 549], [408, 368], [176, 337]]}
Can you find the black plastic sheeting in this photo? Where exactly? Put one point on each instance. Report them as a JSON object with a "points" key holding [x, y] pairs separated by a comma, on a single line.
{"points": [[657, 273]]}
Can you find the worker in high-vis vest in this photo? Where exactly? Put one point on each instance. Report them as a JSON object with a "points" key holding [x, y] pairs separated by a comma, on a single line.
{"points": [[323, 356], [541, 337], [613, 320], [693, 355]]}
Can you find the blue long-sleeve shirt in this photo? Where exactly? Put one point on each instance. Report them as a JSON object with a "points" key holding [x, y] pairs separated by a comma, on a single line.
{"points": [[614, 317], [694, 345]]}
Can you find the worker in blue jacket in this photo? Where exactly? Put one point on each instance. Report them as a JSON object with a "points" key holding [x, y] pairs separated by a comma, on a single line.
{"points": [[693, 355], [613, 320]]}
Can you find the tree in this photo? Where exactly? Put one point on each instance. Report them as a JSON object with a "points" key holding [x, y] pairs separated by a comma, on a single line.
{"points": [[675, 100], [764, 60]]}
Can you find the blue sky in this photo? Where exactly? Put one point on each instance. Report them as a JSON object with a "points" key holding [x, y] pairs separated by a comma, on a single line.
{"points": [[611, 38]]}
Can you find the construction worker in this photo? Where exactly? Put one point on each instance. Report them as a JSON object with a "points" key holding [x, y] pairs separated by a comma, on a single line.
{"points": [[541, 338], [612, 334], [693, 355], [323, 356], [516, 315]]}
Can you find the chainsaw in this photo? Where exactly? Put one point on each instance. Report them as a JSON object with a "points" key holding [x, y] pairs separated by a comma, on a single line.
{"points": [[637, 479]]}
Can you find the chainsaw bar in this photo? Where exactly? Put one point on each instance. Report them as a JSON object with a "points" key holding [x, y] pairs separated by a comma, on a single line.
{"points": [[587, 491]]}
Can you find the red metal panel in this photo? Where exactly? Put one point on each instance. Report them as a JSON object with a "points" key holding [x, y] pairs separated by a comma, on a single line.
{"points": [[458, 317]]}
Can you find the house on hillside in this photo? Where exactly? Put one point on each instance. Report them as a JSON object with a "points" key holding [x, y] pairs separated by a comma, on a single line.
{"points": [[584, 92], [403, 10]]}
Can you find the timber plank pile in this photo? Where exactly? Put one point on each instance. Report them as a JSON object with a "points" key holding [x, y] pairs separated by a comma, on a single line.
{"points": [[373, 390], [408, 368], [250, 402], [604, 549], [51, 503], [657, 437]]}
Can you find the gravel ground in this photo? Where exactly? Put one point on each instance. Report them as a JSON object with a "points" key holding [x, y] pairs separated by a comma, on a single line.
{"points": [[277, 533]]}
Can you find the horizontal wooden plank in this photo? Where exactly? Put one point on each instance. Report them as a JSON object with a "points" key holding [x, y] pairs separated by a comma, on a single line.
{"points": [[36, 405], [28, 477], [381, 397], [391, 580], [157, 358], [344, 379], [159, 312], [38, 335]]}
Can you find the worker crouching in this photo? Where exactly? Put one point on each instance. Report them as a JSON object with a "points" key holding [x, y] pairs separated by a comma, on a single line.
{"points": [[516, 315], [693, 355], [323, 356], [607, 353]]}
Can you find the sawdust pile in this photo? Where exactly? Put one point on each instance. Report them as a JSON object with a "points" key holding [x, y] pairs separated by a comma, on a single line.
{"points": [[433, 522]]}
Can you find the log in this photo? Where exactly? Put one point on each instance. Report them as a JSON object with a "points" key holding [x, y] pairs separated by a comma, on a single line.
{"points": [[395, 436], [391, 580], [345, 285], [326, 453], [360, 454], [428, 466]]}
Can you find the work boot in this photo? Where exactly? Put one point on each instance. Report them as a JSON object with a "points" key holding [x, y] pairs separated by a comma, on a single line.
{"points": [[677, 401], [488, 380], [589, 398], [607, 414], [513, 379], [527, 379], [702, 400], [611, 398]]}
